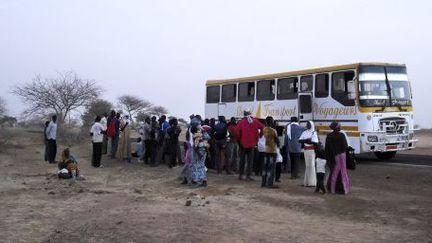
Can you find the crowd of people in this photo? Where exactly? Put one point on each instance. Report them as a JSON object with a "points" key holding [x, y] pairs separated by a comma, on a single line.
{"points": [[246, 147]]}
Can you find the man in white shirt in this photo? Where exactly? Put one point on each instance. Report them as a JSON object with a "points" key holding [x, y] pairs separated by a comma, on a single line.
{"points": [[51, 134], [104, 123], [97, 132]]}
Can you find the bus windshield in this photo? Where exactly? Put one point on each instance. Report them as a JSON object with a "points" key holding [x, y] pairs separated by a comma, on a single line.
{"points": [[384, 86]]}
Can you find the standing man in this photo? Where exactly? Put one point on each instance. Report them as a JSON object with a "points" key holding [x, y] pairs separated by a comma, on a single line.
{"points": [[173, 141], [233, 147], [146, 129], [294, 131], [96, 132], [153, 137], [163, 127], [51, 134], [104, 123], [248, 130], [114, 132], [220, 133]]}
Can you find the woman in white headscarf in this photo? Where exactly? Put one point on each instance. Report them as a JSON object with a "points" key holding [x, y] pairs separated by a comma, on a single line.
{"points": [[310, 139]]}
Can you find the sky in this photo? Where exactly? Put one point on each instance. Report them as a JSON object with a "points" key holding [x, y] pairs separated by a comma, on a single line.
{"points": [[164, 51]]}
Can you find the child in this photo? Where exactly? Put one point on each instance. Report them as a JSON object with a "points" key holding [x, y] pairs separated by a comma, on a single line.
{"points": [[320, 170], [68, 164]]}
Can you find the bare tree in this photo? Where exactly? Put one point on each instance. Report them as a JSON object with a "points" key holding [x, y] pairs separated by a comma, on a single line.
{"points": [[2, 107], [61, 95], [95, 108], [132, 104], [159, 111]]}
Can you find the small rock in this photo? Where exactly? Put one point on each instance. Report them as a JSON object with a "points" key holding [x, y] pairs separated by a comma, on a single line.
{"points": [[188, 203], [81, 190], [58, 231], [138, 191], [24, 183], [387, 177], [119, 222], [202, 197], [207, 202], [51, 193]]}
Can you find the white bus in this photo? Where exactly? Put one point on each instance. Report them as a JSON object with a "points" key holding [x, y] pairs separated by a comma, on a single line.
{"points": [[372, 101]]}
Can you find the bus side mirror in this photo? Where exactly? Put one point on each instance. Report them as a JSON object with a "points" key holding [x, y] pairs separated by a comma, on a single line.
{"points": [[351, 90]]}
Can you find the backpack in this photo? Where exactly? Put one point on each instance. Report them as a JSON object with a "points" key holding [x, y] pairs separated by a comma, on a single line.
{"points": [[111, 130]]}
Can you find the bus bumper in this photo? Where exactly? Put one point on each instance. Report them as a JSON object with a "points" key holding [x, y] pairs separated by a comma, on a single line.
{"points": [[385, 143]]}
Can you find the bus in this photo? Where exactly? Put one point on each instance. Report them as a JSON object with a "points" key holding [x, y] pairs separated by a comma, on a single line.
{"points": [[372, 101]]}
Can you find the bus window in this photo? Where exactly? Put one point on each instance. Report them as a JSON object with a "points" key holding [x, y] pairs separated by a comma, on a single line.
{"points": [[340, 87], [246, 91], [287, 88], [322, 85], [213, 93], [306, 83], [266, 90], [229, 93]]}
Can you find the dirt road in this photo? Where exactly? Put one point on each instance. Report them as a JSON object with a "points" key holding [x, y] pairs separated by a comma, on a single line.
{"points": [[135, 203]]}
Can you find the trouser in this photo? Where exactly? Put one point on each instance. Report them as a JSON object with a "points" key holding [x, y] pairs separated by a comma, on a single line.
{"points": [[233, 155], [97, 154], [105, 145], [52, 150], [320, 182], [339, 168], [278, 171], [288, 160], [295, 159], [212, 152], [114, 146], [147, 151], [172, 154], [161, 151], [309, 176], [154, 151], [268, 170], [259, 163], [46, 154], [179, 154], [246, 156], [220, 154]]}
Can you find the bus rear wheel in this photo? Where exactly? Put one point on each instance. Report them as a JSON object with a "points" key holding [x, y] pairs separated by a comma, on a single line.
{"points": [[385, 155]]}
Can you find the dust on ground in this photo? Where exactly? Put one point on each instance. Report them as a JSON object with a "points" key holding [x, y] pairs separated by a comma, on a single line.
{"points": [[125, 202]]}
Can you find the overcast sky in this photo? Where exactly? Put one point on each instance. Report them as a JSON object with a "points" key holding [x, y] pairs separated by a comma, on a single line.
{"points": [[164, 51]]}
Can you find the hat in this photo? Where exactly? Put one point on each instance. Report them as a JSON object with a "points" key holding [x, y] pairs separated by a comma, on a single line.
{"points": [[247, 112]]}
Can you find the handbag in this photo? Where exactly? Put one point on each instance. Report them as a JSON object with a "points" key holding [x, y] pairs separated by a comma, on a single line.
{"points": [[351, 162], [279, 158]]}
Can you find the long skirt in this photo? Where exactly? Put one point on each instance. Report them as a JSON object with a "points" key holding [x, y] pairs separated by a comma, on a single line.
{"points": [[197, 168], [186, 172], [338, 181], [310, 175]]}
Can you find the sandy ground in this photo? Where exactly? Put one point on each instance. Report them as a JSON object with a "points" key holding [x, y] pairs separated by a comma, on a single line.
{"points": [[135, 203]]}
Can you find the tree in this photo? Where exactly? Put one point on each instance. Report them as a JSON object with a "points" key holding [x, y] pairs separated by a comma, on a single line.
{"points": [[141, 116], [95, 108], [158, 111], [61, 95], [132, 104], [2, 107]]}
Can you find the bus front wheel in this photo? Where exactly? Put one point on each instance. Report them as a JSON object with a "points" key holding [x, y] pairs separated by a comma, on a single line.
{"points": [[385, 155]]}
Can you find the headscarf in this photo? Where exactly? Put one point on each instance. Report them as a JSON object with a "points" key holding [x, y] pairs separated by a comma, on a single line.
{"points": [[247, 113], [310, 134], [335, 126]]}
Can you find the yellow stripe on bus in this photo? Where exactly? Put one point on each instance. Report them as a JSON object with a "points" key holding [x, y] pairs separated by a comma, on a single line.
{"points": [[387, 109]]}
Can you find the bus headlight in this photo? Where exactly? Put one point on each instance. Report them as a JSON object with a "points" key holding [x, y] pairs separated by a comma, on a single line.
{"points": [[372, 139]]}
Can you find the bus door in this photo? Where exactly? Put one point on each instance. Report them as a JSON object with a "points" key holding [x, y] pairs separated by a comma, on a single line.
{"points": [[305, 107]]}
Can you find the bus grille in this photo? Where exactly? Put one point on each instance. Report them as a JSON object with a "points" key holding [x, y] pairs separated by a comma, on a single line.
{"points": [[393, 125]]}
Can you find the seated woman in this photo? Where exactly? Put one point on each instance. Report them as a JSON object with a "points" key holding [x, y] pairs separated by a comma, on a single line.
{"points": [[68, 163]]}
